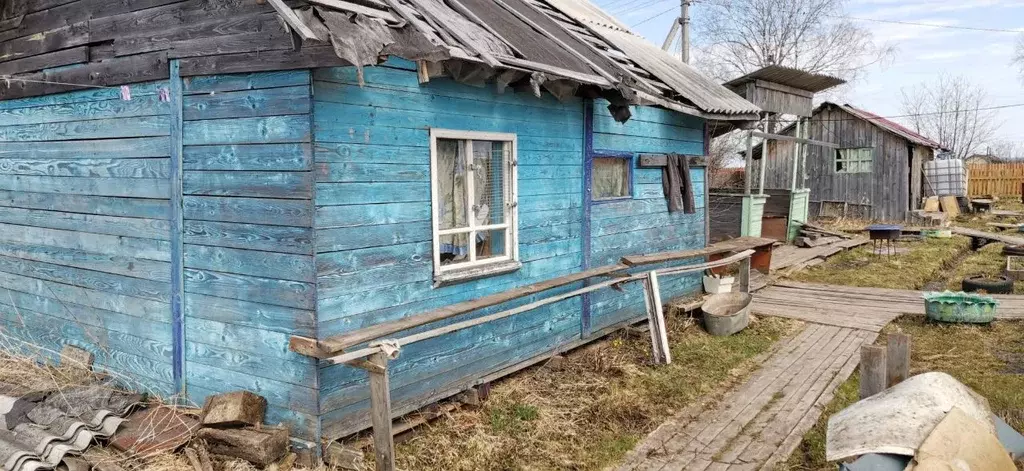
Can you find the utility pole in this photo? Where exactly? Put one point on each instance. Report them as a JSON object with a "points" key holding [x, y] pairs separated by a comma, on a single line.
{"points": [[681, 23], [684, 20]]}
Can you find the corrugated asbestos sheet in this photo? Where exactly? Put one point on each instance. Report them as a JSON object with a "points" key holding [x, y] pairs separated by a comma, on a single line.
{"points": [[690, 85], [562, 39], [38, 430], [795, 78]]}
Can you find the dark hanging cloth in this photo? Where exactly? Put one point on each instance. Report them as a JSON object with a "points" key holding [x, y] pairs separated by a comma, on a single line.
{"points": [[677, 184]]}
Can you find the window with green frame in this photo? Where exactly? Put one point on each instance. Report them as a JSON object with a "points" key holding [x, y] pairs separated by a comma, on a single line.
{"points": [[854, 160]]}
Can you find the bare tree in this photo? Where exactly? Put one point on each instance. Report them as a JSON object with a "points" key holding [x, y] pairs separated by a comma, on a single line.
{"points": [[951, 111], [723, 159], [1007, 151], [738, 36]]}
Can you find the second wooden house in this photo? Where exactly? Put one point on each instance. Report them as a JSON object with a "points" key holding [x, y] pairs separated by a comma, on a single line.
{"points": [[875, 173]]}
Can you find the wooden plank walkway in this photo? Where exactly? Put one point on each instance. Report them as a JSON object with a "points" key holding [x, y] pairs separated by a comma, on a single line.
{"points": [[759, 424], [786, 256], [861, 308]]}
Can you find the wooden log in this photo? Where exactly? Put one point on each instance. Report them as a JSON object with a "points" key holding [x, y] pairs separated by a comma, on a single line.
{"points": [[872, 370], [897, 359], [380, 415]]}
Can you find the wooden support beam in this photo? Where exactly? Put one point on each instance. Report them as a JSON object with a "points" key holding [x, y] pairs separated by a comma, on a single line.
{"points": [[733, 245], [656, 319], [780, 137], [744, 275], [749, 163], [330, 347], [380, 414], [897, 359], [421, 72], [872, 370], [293, 20]]}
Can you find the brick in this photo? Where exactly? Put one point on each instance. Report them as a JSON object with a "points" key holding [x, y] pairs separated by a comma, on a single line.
{"points": [[341, 456], [234, 409], [261, 447], [154, 430]]}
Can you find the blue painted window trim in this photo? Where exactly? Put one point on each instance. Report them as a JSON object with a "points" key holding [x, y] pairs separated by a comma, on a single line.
{"points": [[611, 154]]}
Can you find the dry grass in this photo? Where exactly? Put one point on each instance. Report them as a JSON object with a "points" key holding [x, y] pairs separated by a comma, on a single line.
{"points": [[912, 270], [989, 359], [589, 413]]}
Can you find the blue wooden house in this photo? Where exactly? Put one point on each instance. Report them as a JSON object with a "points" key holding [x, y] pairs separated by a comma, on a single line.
{"points": [[187, 185]]}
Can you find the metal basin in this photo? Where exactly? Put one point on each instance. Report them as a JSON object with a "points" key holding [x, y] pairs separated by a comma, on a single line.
{"points": [[727, 313]]}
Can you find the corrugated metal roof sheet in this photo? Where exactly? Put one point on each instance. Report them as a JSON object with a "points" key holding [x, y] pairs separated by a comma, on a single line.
{"points": [[39, 432], [795, 78]]}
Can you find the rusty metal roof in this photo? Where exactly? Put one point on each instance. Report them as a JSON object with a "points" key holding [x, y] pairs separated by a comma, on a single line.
{"points": [[889, 125], [795, 78]]}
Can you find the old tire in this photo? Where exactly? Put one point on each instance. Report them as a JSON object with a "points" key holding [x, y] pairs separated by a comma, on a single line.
{"points": [[992, 285], [1013, 250]]}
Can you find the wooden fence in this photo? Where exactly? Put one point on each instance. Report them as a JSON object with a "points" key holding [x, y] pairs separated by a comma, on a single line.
{"points": [[995, 179]]}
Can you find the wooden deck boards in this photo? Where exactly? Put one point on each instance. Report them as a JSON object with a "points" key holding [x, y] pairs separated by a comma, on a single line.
{"points": [[760, 422], [789, 255]]}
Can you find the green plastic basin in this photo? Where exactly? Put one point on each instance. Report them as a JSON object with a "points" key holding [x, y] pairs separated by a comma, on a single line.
{"points": [[960, 307]]}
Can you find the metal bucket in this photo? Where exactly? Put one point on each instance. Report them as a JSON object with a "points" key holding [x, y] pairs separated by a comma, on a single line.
{"points": [[727, 313]]}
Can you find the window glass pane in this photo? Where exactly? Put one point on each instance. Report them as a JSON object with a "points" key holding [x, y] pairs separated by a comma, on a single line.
{"points": [[490, 244], [454, 249], [610, 178], [451, 184], [489, 182]]}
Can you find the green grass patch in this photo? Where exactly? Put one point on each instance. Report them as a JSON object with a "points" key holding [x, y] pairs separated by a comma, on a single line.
{"points": [[593, 409], [989, 359], [923, 263]]}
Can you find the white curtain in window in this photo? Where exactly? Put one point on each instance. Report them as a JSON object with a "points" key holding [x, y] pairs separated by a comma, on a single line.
{"points": [[452, 210]]}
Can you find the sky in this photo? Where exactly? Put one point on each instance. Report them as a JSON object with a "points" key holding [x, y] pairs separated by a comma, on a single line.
{"points": [[922, 52]]}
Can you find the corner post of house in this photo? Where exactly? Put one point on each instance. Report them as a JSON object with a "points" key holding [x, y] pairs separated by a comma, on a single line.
{"points": [[796, 154], [175, 92], [764, 162], [588, 200], [380, 412], [749, 164]]}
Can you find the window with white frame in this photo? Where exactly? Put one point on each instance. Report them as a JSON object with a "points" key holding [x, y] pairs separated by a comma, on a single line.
{"points": [[854, 160], [473, 189]]}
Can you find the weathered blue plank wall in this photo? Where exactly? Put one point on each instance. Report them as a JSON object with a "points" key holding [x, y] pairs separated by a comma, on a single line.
{"points": [[643, 224], [374, 227], [373, 224], [248, 246], [84, 251]]}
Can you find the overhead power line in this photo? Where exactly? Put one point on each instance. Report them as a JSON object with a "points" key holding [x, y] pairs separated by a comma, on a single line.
{"points": [[653, 17], [932, 25]]}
